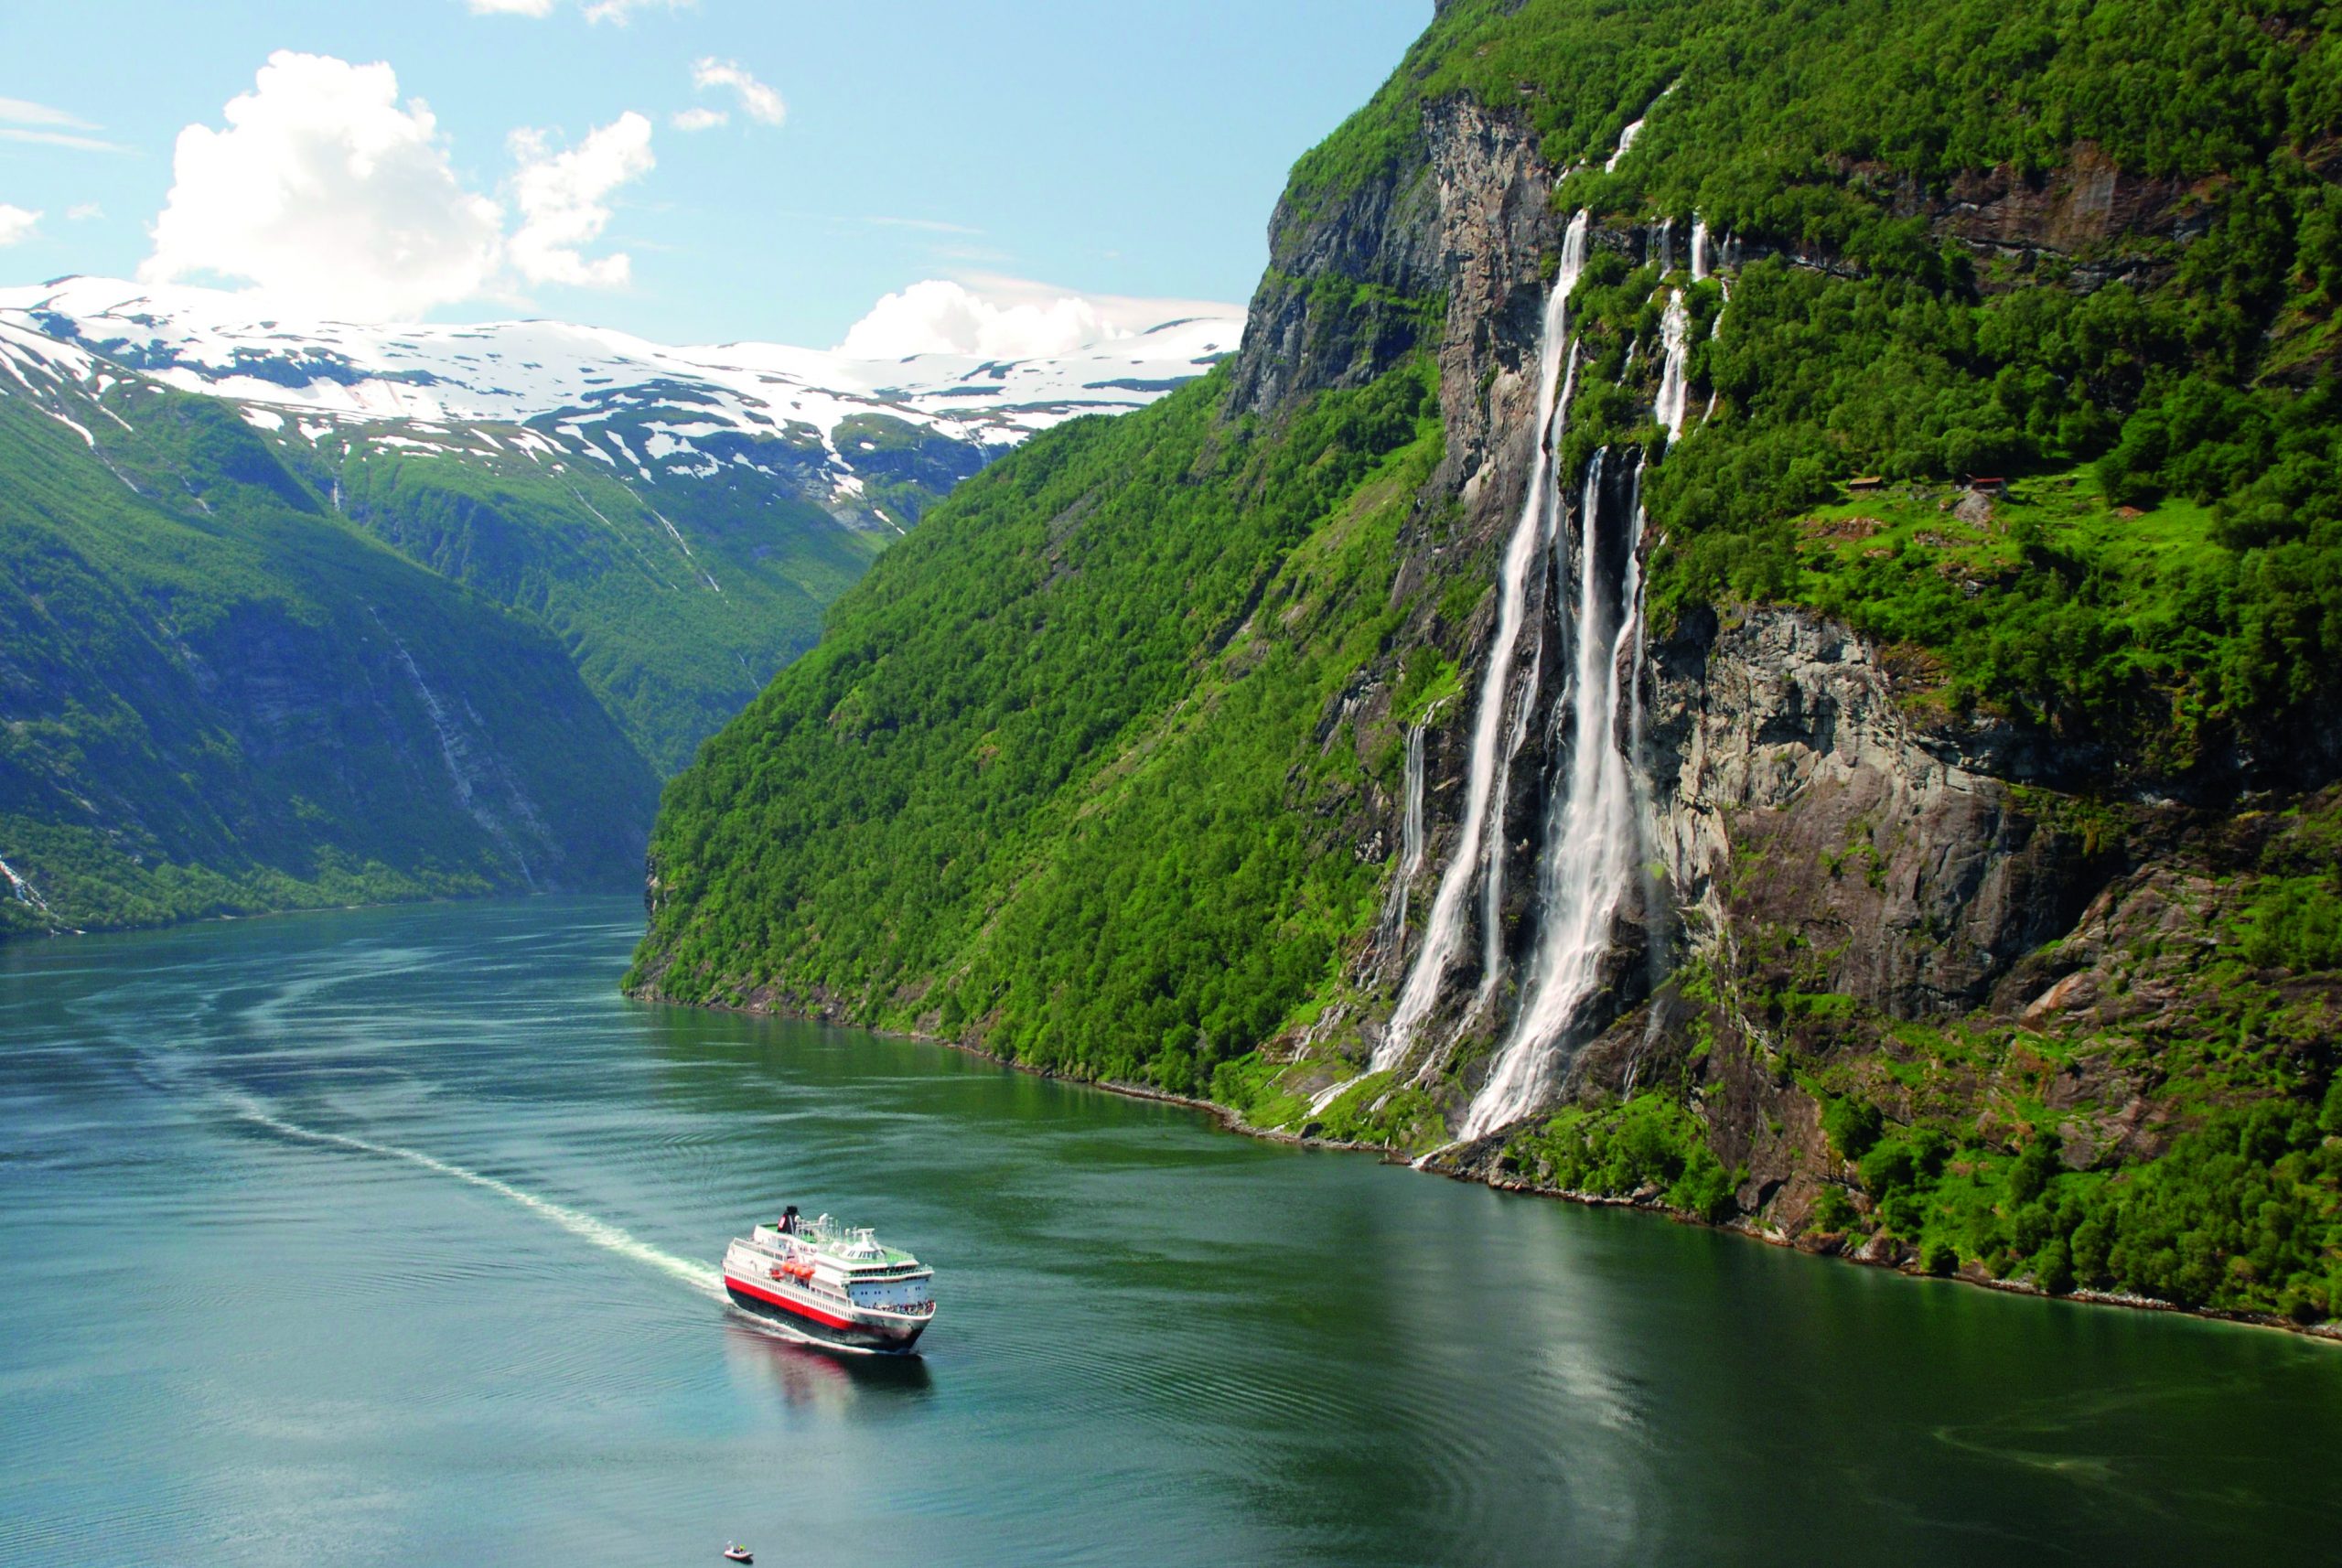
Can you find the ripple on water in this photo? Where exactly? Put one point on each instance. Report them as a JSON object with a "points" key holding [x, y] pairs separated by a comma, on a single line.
{"points": [[442, 1301]]}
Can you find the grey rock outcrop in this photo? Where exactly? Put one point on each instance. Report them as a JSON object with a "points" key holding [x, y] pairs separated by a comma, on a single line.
{"points": [[1789, 788]]}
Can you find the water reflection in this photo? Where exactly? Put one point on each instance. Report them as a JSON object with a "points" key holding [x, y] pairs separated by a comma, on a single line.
{"points": [[765, 1360], [431, 1200]]}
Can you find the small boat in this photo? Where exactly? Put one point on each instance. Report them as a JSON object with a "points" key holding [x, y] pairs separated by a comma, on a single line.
{"points": [[831, 1284], [738, 1553]]}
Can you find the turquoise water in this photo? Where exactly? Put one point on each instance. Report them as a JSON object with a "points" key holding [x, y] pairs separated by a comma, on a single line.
{"points": [[387, 1237]]}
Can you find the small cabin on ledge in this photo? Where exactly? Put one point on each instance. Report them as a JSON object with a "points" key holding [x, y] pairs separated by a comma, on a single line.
{"points": [[1866, 482], [1988, 484]]}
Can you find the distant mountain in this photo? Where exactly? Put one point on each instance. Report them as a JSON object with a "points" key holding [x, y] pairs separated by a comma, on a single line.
{"points": [[842, 432], [332, 612], [680, 517], [217, 696]]}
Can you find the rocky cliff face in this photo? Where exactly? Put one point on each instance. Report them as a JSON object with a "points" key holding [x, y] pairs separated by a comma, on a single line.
{"points": [[1789, 788], [1442, 252], [1819, 852], [1852, 893]]}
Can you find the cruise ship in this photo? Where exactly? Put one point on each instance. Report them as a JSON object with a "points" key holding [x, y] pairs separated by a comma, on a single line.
{"points": [[831, 1284]]}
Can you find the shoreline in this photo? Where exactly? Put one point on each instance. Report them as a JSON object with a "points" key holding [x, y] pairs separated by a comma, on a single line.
{"points": [[234, 917], [1232, 1121]]}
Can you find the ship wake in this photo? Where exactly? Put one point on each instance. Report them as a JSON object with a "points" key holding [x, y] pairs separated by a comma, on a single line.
{"points": [[585, 1227]]}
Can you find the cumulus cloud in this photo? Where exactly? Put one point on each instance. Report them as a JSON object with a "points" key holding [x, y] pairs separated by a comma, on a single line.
{"points": [[988, 315], [326, 193], [17, 224], [698, 119], [330, 195], [565, 200], [938, 316], [757, 102]]}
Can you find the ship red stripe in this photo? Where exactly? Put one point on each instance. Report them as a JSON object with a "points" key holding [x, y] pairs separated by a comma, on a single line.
{"points": [[798, 1307]]}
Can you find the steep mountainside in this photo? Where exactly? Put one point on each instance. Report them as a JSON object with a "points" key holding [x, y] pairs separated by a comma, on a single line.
{"points": [[219, 696], [680, 517], [328, 612], [1755, 628]]}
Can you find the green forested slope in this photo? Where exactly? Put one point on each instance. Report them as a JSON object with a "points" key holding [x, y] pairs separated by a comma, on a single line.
{"points": [[216, 696], [1038, 774], [1981, 238], [1840, 130], [1108, 812], [678, 601]]}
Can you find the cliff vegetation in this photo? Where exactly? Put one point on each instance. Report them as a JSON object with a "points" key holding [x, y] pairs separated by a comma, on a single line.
{"points": [[1994, 594]]}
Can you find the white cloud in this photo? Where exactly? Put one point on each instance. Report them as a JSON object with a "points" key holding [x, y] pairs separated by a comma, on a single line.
{"points": [[698, 119], [81, 212], [564, 200], [756, 100], [937, 316], [24, 112], [620, 10], [60, 139], [593, 10], [999, 317], [329, 196], [16, 224], [324, 193], [50, 127]]}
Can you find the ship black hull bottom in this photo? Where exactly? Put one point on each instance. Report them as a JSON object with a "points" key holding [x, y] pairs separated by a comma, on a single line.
{"points": [[841, 1336]]}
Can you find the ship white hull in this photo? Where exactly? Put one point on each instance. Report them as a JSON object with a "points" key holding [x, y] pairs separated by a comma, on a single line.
{"points": [[823, 1322]]}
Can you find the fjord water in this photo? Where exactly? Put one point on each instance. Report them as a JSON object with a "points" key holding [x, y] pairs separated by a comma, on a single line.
{"points": [[386, 1237]]}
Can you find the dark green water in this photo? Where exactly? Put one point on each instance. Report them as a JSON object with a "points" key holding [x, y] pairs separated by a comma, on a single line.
{"points": [[383, 1238]]}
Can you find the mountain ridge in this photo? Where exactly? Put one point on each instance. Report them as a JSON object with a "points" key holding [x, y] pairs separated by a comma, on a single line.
{"points": [[673, 533]]}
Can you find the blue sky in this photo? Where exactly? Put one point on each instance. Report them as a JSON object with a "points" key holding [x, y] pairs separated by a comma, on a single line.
{"points": [[1104, 147]]}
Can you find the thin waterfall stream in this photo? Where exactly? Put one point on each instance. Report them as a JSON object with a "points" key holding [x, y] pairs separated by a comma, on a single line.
{"points": [[1675, 336], [1411, 842], [1443, 934], [1591, 836], [1595, 822]]}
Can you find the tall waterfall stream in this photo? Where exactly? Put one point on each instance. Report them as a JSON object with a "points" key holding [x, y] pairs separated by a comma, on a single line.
{"points": [[1593, 809], [1443, 934]]}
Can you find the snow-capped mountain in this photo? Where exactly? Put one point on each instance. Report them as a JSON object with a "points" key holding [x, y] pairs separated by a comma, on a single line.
{"points": [[827, 424]]}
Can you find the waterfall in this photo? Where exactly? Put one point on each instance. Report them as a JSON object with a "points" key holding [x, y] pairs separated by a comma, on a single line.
{"points": [[1701, 271], [1525, 713], [1592, 842], [1675, 333], [1492, 847], [1634, 126], [1665, 246], [1626, 144], [1411, 844], [1411, 828], [1444, 933], [22, 888]]}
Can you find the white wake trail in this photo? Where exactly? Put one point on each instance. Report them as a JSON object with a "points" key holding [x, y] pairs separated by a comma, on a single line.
{"points": [[585, 1227]]}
